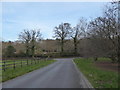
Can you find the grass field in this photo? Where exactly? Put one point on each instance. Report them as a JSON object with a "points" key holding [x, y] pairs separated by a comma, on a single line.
{"points": [[12, 73], [98, 77], [18, 63], [104, 59], [12, 61]]}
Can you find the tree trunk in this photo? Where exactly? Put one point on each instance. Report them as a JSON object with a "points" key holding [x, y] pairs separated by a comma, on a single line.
{"points": [[118, 52], [95, 58], [113, 58], [62, 45], [27, 50], [75, 46], [33, 51]]}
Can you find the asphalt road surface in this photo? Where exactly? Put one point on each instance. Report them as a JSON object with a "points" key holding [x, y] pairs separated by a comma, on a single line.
{"points": [[61, 74]]}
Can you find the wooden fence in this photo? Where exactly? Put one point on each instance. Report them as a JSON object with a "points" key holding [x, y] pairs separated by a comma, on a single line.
{"points": [[7, 64]]}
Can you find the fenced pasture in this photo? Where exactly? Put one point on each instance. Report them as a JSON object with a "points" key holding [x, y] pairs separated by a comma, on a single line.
{"points": [[14, 63], [16, 67]]}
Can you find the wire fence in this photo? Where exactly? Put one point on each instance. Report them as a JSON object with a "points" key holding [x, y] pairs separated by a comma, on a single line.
{"points": [[8, 64]]}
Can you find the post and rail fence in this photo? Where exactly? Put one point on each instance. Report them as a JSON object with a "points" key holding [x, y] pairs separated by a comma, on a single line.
{"points": [[7, 64]]}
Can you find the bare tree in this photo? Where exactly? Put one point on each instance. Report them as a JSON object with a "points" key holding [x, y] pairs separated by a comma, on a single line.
{"points": [[118, 32], [78, 32], [111, 28], [105, 29], [30, 37], [35, 36], [25, 36], [61, 32]]}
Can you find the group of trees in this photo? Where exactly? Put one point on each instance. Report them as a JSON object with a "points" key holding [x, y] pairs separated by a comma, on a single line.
{"points": [[104, 32], [99, 37], [64, 32]]}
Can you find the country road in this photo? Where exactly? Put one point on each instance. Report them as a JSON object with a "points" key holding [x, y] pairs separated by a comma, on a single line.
{"points": [[61, 74]]}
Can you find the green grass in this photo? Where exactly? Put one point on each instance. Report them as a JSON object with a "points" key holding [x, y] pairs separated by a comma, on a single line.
{"points": [[11, 73], [104, 59], [10, 63], [98, 77]]}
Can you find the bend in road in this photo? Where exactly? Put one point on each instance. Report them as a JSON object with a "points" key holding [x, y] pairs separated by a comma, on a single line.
{"points": [[60, 74]]}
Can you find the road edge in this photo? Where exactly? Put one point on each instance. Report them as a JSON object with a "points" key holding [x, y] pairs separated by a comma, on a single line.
{"points": [[84, 83], [27, 73]]}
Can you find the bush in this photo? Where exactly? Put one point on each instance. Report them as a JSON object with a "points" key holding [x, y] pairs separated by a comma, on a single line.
{"points": [[21, 54], [10, 51]]}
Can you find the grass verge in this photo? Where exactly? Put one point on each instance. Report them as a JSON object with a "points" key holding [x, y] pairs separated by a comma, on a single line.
{"points": [[98, 77], [12, 73]]}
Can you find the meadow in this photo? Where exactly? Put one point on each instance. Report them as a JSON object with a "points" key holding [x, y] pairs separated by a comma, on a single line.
{"points": [[98, 77]]}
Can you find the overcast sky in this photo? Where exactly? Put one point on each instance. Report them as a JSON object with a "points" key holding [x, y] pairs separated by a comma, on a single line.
{"points": [[17, 16]]}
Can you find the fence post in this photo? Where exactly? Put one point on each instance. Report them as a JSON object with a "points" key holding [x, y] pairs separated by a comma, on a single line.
{"points": [[27, 61], [21, 62], [14, 64], [31, 61], [4, 66], [35, 61]]}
